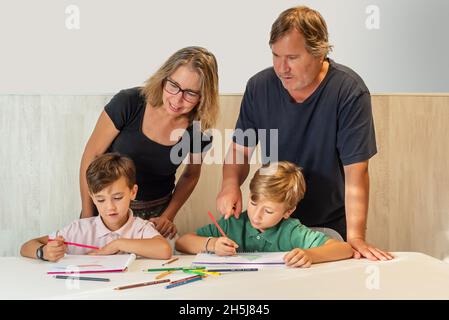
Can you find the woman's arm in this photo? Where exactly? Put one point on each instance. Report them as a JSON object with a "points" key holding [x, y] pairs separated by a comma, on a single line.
{"points": [[102, 136], [183, 189]]}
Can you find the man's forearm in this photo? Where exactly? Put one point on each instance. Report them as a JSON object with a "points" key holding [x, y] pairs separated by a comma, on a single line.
{"points": [[235, 174], [356, 201]]}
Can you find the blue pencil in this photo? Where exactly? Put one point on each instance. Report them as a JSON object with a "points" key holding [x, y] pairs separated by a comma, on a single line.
{"points": [[172, 285]]}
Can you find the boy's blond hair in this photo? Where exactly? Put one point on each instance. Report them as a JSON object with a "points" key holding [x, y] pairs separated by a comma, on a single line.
{"points": [[108, 168], [278, 182]]}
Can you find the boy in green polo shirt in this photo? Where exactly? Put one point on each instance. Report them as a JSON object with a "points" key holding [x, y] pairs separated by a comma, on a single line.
{"points": [[266, 226]]}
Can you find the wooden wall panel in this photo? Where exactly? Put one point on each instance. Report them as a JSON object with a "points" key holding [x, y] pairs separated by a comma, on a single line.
{"points": [[42, 138], [409, 207]]}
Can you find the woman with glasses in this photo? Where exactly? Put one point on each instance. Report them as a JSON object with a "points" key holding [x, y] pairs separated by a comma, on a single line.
{"points": [[158, 126]]}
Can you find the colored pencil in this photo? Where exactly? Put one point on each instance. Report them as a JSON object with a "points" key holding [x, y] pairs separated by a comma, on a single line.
{"points": [[176, 284], [163, 274], [77, 244], [170, 261], [202, 272], [185, 279], [142, 284], [216, 224], [233, 270], [174, 268], [82, 278]]}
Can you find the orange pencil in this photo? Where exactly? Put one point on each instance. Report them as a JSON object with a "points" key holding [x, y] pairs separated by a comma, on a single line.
{"points": [[163, 274]]}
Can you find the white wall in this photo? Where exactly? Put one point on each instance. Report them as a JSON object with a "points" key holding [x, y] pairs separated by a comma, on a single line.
{"points": [[42, 139], [120, 43]]}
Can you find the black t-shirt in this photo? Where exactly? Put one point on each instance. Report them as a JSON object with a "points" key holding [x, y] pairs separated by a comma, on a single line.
{"points": [[156, 164], [330, 129]]}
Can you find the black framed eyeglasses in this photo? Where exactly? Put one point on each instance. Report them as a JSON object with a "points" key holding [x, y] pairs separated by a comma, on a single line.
{"points": [[173, 88]]}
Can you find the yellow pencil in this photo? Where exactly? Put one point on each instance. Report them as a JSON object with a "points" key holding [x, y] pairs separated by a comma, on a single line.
{"points": [[213, 273], [163, 274]]}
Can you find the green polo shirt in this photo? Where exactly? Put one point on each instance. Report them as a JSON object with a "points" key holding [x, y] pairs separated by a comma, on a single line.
{"points": [[285, 236]]}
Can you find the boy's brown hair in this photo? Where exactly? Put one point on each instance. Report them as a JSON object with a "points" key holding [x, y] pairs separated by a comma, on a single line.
{"points": [[280, 182], [107, 169]]}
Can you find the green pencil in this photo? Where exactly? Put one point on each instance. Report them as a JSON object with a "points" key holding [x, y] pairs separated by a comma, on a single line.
{"points": [[174, 268]]}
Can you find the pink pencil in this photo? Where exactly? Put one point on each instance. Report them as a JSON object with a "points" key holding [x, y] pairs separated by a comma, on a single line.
{"points": [[217, 225], [77, 245]]}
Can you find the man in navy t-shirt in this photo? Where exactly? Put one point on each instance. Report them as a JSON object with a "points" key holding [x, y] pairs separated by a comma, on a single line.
{"points": [[309, 110]]}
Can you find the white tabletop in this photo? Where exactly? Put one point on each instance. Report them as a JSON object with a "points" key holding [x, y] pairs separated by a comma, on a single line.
{"points": [[410, 275]]}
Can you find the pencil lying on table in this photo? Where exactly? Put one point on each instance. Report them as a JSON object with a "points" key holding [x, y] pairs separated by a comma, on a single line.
{"points": [[142, 284], [163, 274], [183, 281], [82, 278], [170, 261], [232, 270], [175, 268]]}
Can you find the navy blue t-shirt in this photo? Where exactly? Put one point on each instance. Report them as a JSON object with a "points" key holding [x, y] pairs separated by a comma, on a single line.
{"points": [[155, 163], [330, 129]]}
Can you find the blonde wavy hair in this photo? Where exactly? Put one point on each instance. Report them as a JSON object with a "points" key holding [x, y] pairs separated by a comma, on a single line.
{"points": [[309, 23], [201, 61], [280, 182]]}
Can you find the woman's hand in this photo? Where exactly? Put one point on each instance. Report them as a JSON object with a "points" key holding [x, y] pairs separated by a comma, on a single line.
{"points": [[165, 226]]}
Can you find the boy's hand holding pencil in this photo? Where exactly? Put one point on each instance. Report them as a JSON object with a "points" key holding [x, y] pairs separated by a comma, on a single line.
{"points": [[224, 246], [55, 249]]}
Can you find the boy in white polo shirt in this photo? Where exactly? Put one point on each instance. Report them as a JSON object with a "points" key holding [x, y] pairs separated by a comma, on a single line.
{"points": [[111, 180]]}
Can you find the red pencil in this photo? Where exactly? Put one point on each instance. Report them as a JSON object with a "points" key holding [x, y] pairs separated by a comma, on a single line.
{"points": [[216, 224], [77, 245]]}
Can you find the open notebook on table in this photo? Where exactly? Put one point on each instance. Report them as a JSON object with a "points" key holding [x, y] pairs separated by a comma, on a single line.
{"points": [[92, 264], [242, 259]]}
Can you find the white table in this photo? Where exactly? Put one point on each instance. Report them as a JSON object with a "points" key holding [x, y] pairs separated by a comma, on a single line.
{"points": [[410, 275]]}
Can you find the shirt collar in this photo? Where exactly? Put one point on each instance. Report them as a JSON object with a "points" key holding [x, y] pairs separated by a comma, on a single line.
{"points": [[102, 230], [266, 235]]}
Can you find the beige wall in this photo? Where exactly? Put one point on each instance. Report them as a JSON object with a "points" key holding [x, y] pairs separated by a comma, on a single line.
{"points": [[42, 138], [409, 205], [409, 209]]}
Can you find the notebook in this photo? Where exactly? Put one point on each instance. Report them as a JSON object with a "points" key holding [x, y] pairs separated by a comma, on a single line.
{"points": [[92, 264], [242, 259]]}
